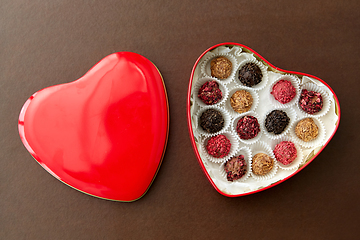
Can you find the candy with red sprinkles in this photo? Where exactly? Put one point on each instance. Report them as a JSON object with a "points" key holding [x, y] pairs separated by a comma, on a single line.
{"points": [[285, 152], [283, 91], [218, 146], [248, 127], [310, 101], [235, 168], [210, 93]]}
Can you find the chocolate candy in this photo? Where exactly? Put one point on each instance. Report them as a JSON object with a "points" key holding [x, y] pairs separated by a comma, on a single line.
{"points": [[250, 74], [276, 121], [211, 121]]}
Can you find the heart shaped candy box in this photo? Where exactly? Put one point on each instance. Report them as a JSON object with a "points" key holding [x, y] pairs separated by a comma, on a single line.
{"points": [[104, 134], [238, 57]]}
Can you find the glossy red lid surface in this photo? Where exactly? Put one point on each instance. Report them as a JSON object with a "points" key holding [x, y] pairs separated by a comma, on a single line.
{"points": [[104, 134]]}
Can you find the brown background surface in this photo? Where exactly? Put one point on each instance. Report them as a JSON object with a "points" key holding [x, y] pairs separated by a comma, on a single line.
{"points": [[43, 43]]}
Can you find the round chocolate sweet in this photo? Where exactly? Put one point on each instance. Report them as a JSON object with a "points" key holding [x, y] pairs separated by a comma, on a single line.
{"points": [[220, 67], [285, 152], [235, 168], [210, 93], [218, 146], [276, 121], [248, 127], [310, 101], [241, 101], [211, 121], [307, 130], [250, 74], [262, 164], [283, 91]]}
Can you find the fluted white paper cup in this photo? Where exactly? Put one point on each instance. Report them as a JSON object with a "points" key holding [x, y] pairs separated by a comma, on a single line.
{"points": [[299, 154], [246, 152], [262, 147], [234, 147], [238, 51], [200, 82], [206, 66], [226, 116]]}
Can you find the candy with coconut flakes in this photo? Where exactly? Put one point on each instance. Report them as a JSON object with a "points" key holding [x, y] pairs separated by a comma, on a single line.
{"points": [[262, 164]]}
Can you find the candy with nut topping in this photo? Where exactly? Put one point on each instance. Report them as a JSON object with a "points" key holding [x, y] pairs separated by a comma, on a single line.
{"points": [[241, 101], [262, 164], [307, 130], [220, 67]]}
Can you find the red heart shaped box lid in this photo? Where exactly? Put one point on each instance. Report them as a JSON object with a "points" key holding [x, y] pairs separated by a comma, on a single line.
{"points": [[239, 54], [104, 134]]}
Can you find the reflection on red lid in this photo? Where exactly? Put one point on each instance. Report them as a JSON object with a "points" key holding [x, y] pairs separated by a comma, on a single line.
{"points": [[104, 134]]}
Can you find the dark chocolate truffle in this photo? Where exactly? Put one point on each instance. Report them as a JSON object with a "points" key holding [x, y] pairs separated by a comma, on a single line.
{"points": [[220, 67], [247, 127], [285, 152], [283, 91], [250, 74], [211, 121], [310, 101], [210, 93], [276, 121], [307, 130], [235, 168], [241, 101], [262, 164], [218, 146]]}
